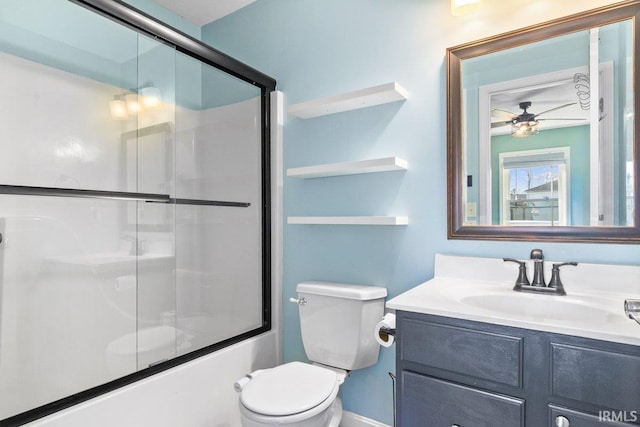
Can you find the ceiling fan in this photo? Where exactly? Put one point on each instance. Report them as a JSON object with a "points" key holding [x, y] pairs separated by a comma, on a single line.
{"points": [[525, 123]]}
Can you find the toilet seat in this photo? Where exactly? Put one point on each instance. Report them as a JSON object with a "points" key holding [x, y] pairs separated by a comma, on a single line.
{"points": [[290, 389]]}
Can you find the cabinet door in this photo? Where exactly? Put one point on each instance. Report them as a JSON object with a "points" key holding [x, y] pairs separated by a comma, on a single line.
{"points": [[595, 375], [427, 401], [563, 417], [456, 349]]}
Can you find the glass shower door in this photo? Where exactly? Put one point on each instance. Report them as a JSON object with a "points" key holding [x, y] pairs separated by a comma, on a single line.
{"points": [[150, 161], [86, 172], [133, 206], [219, 269]]}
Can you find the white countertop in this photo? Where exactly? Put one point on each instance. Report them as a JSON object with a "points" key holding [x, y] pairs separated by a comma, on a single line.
{"points": [[592, 308]]}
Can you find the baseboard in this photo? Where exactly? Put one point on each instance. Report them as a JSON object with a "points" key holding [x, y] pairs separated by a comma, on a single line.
{"points": [[349, 419]]}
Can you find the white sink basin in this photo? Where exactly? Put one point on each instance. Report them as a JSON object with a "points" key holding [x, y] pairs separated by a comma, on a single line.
{"points": [[544, 307], [481, 289], [103, 259]]}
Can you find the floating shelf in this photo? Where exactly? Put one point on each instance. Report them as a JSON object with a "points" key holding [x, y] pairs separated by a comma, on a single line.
{"points": [[376, 95], [348, 220], [386, 164]]}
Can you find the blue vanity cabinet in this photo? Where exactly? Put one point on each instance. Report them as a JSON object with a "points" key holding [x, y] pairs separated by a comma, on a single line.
{"points": [[454, 372]]}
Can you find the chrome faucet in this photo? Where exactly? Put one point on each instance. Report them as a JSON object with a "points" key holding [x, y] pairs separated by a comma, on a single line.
{"points": [[538, 267], [555, 286]]}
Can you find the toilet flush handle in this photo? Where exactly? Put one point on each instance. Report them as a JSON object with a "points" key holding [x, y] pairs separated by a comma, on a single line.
{"points": [[299, 301]]}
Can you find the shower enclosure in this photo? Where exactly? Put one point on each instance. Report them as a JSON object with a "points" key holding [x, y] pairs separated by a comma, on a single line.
{"points": [[134, 202]]}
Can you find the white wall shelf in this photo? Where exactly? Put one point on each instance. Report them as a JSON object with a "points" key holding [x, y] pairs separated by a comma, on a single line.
{"points": [[386, 164], [348, 220], [368, 97]]}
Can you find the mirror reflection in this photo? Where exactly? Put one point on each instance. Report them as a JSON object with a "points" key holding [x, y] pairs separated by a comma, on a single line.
{"points": [[548, 132]]}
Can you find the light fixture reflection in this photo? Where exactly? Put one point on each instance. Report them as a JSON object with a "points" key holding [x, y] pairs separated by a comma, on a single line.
{"points": [[150, 96], [464, 7], [118, 108], [133, 101]]}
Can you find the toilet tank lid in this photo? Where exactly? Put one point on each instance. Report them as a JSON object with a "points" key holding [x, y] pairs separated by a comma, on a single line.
{"points": [[342, 290]]}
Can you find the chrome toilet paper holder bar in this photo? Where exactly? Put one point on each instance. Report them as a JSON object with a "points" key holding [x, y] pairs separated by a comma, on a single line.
{"points": [[387, 335], [388, 331], [632, 309]]}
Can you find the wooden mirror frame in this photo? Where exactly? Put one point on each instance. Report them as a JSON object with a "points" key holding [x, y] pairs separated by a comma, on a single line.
{"points": [[628, 10]]}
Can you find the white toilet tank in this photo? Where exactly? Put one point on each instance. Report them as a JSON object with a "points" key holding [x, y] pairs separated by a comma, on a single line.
{"points": [[337, 323]]}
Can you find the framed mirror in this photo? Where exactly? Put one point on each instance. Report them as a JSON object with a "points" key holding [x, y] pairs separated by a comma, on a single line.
{"points": [[542, 137]]}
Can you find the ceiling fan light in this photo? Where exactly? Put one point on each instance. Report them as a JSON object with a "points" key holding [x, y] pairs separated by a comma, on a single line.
{"points": [[518, 131], [524, 129], [464, 7]]}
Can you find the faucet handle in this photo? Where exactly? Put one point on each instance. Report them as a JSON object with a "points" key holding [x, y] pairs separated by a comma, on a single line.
{"points": [[522, 279], [557, 266], [555, 282]]}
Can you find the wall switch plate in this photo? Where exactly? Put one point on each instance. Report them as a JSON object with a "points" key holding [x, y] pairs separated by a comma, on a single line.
{"points": [[471, 209]]}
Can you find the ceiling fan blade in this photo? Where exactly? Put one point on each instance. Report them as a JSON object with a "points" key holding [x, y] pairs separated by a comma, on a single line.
{"points": [[556, 108], [500, 124], [502, 114], [584, 120]]}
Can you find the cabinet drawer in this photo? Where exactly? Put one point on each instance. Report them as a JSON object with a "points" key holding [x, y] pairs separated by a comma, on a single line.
{"points": [[599, 377], [431, 402], [483, 355], [580, 419]]}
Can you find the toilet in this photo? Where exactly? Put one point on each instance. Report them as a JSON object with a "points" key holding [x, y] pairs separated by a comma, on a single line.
{"points": [[337, 323]]}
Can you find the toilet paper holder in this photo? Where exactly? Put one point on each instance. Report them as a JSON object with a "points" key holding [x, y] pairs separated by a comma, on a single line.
{"points": [[632, 309], [386, 331]]}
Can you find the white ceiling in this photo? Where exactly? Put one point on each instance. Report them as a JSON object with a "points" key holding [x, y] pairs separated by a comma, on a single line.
{"points": [[201, 12]]}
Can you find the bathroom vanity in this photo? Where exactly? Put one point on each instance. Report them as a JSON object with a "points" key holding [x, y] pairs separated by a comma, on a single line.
{"points": [[457, 372], [472, 352]]}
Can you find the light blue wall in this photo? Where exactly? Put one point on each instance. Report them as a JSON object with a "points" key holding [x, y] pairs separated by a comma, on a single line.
{"points": [[317, 48]]}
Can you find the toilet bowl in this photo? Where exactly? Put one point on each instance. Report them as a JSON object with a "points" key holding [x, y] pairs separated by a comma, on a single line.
{"points": [[295, 394]]}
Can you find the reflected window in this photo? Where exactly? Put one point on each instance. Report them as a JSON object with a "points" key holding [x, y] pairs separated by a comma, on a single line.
{"points": [[534, 187]]}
